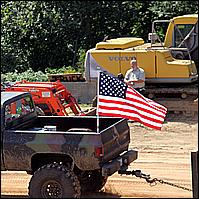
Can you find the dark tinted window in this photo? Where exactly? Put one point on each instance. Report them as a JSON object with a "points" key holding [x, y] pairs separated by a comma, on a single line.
{"points": [[180, 32], [18, 109]]}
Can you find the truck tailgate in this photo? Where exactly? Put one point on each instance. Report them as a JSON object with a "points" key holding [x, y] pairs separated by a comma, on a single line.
{"points": [[115, 139]]}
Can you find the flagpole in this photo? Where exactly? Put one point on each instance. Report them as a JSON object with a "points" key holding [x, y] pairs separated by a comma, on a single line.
{"points": [[98, 102]]}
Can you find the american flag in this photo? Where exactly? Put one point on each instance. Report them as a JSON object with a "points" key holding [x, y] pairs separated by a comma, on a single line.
{"points": [[116, 99]]}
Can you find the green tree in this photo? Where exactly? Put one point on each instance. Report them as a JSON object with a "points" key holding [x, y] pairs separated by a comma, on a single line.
{"points": [[42, 34]]}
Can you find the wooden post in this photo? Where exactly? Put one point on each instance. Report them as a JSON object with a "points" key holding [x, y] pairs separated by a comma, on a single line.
{"points": [[194, 167]]}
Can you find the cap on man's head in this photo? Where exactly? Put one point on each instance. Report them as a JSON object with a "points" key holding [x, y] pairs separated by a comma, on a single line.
{"points": [[133, 60]]}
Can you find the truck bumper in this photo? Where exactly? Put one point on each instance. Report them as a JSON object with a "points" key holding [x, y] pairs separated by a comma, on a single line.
{"points": [[119, 163]]}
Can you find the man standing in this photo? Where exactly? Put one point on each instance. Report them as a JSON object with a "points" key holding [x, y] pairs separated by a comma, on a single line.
{"points": [[135, 77]]}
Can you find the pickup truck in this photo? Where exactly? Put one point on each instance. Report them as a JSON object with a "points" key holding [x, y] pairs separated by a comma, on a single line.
{"points": [[65, 155]]}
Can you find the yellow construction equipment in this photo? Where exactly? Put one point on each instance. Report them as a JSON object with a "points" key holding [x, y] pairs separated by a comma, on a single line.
{"points": [[170, 66], [157, 59]]}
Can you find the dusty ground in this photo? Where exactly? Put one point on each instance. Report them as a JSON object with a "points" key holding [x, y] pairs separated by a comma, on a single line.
{"points": [[164, 154]]}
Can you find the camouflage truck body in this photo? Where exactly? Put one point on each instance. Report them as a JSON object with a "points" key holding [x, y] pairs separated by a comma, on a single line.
{"points": [[30, 144]]}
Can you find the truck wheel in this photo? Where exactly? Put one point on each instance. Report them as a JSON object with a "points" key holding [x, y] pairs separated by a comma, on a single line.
{"points": [[92, 182], [54, 181]]}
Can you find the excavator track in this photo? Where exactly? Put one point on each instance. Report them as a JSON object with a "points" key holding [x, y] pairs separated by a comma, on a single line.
{"points": [[178, 99], [173, 91], [180, 107]]}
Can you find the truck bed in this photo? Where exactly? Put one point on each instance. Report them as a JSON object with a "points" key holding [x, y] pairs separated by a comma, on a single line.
{"points": [[63, 123], [75, 136]]}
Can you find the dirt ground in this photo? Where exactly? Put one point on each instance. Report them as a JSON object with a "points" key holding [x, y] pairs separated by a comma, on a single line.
{"points": [[164, 154]]}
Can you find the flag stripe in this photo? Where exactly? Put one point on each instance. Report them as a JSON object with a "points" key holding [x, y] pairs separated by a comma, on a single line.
{"points": [[129, 111], [131, 104], [141, 99], [147, 107], [104, 107], [134, 118], [156, 105]]}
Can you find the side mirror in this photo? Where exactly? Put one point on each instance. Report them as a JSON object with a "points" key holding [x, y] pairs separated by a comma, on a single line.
{"points": [[152, 37]]}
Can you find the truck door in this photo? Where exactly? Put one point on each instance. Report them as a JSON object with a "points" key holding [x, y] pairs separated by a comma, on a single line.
{"points": [[18, 114]]}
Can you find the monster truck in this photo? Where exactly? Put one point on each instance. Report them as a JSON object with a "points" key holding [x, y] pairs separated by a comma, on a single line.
{"points": [[65, 155]]}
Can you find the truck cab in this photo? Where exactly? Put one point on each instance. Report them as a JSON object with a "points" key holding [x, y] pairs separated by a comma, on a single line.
{"points": [[17, 110]]}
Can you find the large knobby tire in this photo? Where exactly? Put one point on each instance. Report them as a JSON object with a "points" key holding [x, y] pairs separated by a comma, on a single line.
{"points": [[92, 181], [54, 181]]}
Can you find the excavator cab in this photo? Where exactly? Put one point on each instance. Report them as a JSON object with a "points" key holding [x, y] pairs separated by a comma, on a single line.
{"points": [[186, 36], [181, 37]]}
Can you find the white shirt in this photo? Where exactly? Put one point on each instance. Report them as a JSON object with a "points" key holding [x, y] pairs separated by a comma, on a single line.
{"points": [[136, 75]]}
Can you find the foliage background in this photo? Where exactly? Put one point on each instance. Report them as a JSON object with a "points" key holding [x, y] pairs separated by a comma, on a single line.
{"points": [[51, 35]]}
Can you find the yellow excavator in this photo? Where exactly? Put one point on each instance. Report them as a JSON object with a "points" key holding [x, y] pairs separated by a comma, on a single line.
{"points": [[170, 66], [159, 60]]}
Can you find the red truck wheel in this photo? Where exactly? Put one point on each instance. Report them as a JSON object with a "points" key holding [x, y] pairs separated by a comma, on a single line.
{"points": [[54, 181]]}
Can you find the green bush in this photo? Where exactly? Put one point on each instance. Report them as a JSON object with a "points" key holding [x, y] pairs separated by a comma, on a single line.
{"points": [[32, 76], [64, 69], [28, 75]]}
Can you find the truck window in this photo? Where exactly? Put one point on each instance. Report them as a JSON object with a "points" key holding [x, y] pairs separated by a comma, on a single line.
{"points": [[18, 109], [184, 29]]}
